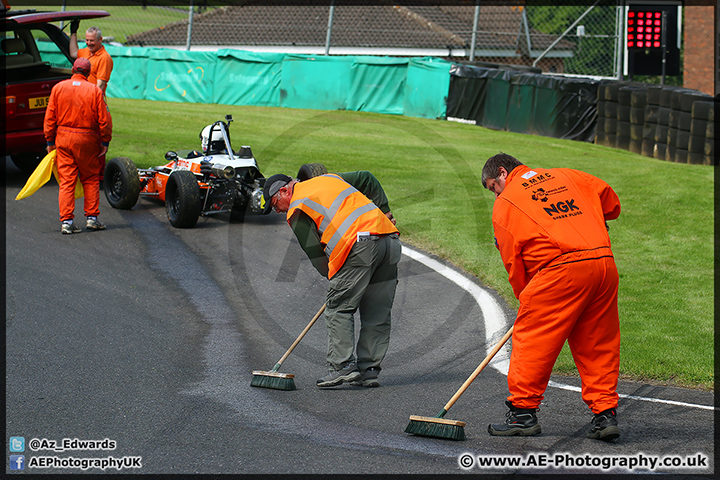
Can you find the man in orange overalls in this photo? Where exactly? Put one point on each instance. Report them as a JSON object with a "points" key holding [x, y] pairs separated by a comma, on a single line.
{"points": [[78, 124], [100, 59], [550, 227]]}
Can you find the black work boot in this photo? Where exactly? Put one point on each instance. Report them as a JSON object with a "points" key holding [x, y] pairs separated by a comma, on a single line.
{"points": [[520, 421], [604, 426]]}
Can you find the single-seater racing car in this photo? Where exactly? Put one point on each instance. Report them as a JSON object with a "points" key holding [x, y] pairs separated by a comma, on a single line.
{"points": [[192, 183]]}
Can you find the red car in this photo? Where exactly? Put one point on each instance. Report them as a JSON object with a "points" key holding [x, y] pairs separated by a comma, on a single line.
{"points": [[29, 77]]}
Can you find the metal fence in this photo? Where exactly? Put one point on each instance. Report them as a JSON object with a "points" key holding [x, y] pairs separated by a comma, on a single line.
{"points": [[572, 39]]}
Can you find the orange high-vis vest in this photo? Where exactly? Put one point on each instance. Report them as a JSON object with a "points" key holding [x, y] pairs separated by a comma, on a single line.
{"points": [[340, 213]]}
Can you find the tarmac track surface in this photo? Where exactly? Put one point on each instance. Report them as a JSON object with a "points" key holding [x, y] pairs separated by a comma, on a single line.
{"points": [[148, 335]]}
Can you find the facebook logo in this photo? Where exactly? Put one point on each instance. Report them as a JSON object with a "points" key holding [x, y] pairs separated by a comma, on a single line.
{"points": [[17, 462], [17, 444]]}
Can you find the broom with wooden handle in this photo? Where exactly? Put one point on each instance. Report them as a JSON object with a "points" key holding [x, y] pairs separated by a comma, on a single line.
{"points": [[282, 381], [452, 429]]}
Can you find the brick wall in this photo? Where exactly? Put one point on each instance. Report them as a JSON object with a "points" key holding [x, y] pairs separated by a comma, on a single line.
{"points": [[699, 37]]}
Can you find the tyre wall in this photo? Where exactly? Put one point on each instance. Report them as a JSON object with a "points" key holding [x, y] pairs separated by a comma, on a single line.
{"points": [[657, 121]]}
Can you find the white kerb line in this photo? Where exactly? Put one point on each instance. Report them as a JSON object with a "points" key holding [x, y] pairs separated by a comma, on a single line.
{"points": [[495, 322]]}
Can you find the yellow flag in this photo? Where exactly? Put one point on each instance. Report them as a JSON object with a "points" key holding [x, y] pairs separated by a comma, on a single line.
{"points": [[41, 175]]}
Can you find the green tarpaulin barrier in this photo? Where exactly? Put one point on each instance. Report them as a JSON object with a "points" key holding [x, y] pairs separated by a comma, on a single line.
{"points": [[401, 86], [129, 75], [521, 98], [248, 78], [496, 103], [426, 88], [315, 82], [49, 52], [180, 76], [377, 84]]}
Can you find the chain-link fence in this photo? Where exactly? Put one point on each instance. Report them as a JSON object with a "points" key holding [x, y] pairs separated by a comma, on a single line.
{"points": [[570, 39]]}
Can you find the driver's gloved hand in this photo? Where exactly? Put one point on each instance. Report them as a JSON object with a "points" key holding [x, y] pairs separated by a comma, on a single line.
{"points": [[74, 25], [205, 167]]}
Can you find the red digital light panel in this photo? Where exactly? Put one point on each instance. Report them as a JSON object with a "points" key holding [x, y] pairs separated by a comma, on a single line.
{"points": [[644, 23]]}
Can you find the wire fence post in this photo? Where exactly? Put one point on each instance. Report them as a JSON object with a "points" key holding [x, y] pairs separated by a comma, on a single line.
{"points": [[474, 31], [190, 23], [329, 27]]}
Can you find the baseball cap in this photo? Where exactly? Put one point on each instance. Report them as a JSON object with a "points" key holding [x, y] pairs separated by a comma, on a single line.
{"points": [[272, 185], [82, 65]]}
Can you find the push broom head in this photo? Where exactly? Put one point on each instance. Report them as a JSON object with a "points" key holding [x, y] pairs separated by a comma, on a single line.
{"points": [[276, 380], [436, 427]]}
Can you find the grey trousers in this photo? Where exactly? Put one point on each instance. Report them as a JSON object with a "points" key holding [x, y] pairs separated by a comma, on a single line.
{"points": [[366, 282]]}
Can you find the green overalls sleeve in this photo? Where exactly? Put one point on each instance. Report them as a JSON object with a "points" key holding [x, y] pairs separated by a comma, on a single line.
{"points": [[309, 238], [366, 182]]}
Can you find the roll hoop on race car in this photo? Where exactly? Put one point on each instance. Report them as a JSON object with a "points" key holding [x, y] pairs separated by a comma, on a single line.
{"points": [[192, 183]]}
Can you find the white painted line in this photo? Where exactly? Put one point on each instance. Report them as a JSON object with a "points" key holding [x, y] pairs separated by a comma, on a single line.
{"points": [[496, 322]]}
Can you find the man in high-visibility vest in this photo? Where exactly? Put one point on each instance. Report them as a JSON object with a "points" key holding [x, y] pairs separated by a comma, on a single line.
{"points": [[344, 224], [550, 227], [78, 123]]}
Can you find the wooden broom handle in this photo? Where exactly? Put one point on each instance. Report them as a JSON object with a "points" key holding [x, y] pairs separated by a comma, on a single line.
{"points": [[479, 369], [297, 340]]}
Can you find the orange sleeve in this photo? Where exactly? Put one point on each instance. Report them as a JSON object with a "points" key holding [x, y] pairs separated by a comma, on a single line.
{"points": [[511, 245], [608, 198], [50, 123], [104, 118]]}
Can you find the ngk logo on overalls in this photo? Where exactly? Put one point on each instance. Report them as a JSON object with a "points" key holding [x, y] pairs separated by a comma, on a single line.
{"points": [[565, 208]]}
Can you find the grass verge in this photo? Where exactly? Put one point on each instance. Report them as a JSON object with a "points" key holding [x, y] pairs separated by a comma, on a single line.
{"points": [[663, 240]]}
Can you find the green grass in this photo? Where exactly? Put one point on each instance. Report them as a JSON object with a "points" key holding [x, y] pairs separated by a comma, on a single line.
{"points": [[663, 240]]}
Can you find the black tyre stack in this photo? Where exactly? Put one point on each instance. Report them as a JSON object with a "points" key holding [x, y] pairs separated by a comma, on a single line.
{"points": [[663, 124], [701, 144], [650, 119], [638, 101], [622, 129], [600, 135], [611, 114]]}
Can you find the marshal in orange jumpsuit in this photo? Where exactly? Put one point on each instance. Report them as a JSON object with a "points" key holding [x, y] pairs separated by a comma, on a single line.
{"points": [[550, 229], [78, 124]]}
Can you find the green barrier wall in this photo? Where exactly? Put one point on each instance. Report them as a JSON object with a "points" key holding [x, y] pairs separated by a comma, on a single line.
{"points": [[49, 52], [377, 84], [179, 76], [416, 87], [316, 82], [129, 75], [248, 78], [426, 88], [524, 102]]}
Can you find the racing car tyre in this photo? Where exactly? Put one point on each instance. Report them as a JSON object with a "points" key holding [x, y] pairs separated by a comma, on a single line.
{"points": [[121, 183], [182, 199], [310, 170], [27, 162]]}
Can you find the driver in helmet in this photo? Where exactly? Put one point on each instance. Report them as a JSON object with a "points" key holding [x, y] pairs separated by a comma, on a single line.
{"points": [[216, 144]]}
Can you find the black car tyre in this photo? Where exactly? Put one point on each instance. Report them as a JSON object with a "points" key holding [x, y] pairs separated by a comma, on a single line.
{"points": [[27, 162], [310, 170], [121, 183], [182, 199]]}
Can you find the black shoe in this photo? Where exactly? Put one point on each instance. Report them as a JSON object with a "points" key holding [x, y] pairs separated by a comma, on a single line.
{"points": [[368, 378], [520, 421], [604, 426]]}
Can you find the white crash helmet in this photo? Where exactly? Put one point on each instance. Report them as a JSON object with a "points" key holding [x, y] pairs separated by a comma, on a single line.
{"points": [[215, 143]]}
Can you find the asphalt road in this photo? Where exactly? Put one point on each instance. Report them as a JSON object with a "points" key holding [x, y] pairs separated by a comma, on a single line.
{"points": [[147, 335]]}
